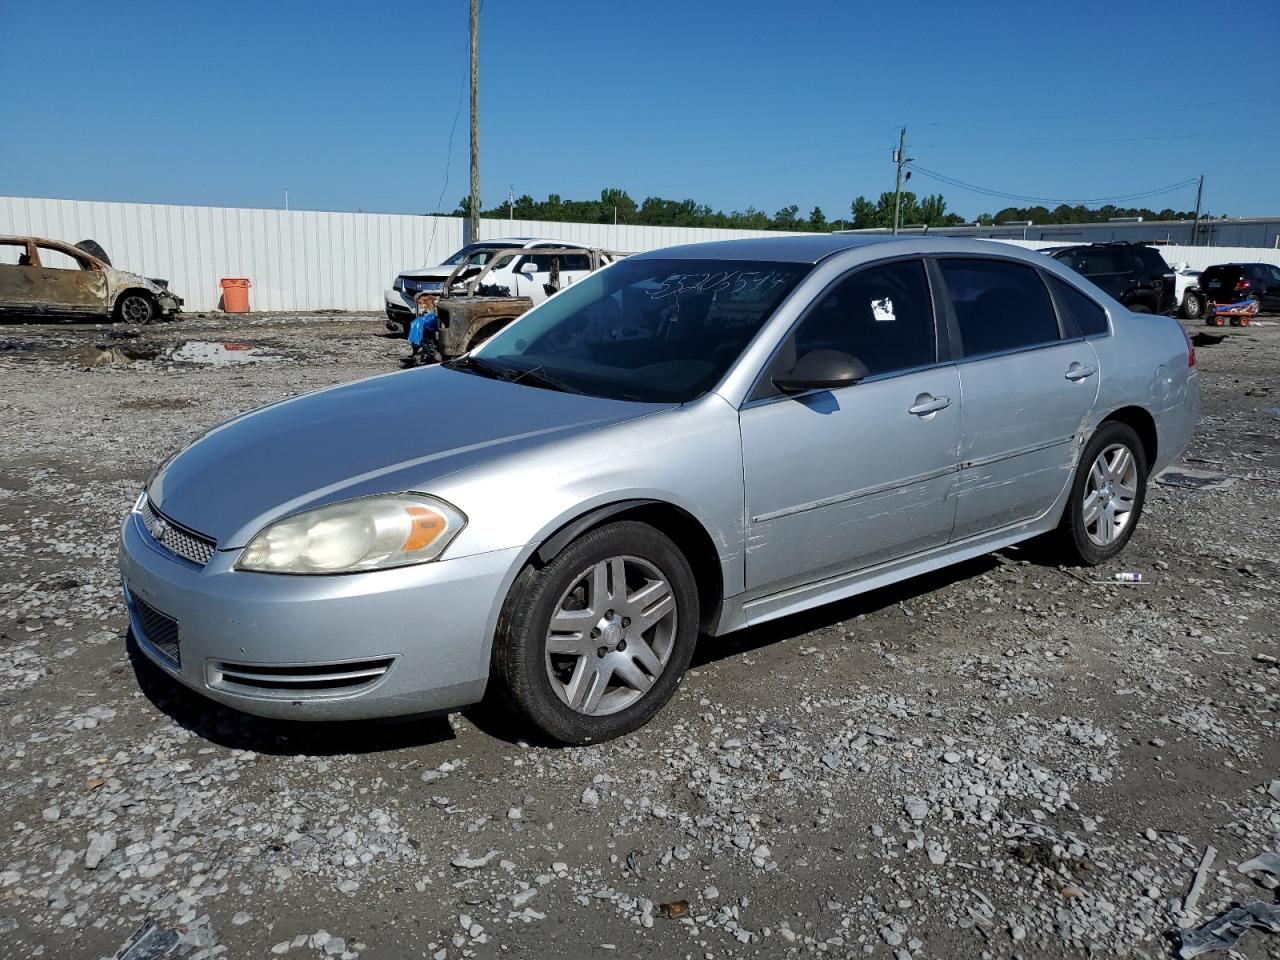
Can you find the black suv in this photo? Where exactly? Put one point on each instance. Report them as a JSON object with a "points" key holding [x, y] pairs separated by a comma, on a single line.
{"points": [[1132, 273], [1237, 282]]}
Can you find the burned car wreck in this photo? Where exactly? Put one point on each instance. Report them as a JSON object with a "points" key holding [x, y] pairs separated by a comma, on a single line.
{"points": [[50, 279]]}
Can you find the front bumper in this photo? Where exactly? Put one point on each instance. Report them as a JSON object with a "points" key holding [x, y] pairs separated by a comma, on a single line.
{"points": [[169, 303], [400, 311], [418, 637]]}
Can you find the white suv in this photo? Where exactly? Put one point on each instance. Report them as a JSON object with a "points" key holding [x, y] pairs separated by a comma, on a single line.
{"points": [[522, 276]]}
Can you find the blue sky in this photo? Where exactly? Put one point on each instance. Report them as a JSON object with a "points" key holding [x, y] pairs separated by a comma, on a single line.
{"points": [[730, 102]]}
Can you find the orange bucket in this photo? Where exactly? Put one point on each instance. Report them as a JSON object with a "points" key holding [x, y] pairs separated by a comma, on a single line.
{"points": [[235, 294]]}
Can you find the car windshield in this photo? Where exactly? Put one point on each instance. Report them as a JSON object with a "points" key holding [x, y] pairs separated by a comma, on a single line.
{"points": [[651, 330], [473, 253]]}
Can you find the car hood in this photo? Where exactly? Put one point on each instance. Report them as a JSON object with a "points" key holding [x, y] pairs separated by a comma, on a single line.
{"points": [[387, 434], [428, 273]]}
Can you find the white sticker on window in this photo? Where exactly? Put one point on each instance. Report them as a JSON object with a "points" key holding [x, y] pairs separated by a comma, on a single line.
{"points": [[882, 310]]}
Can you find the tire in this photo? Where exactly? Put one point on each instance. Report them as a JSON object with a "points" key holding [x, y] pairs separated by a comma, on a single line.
{"points": [[1086, 542], [1192, 306], [1139, 308], [539, 684], [134, 306]]}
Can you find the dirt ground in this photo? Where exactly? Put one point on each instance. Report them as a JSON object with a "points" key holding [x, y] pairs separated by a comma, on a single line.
{"points": [[1002, 759]]}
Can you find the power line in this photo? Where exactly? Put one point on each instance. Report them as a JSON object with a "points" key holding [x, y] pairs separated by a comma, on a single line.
{"points": [[1067, 116], [1004, 195], [1056, 143], [448, 160]]}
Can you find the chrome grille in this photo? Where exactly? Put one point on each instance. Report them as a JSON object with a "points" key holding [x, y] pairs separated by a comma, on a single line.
{"points": [[188, 544], [159, 630], [316, 679]]}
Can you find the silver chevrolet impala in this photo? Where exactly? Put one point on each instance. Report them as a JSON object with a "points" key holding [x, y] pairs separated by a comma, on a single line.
{"points": [[685, 443]]}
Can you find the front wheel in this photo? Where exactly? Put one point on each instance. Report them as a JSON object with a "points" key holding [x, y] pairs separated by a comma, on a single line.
{"points": [[1107, 494], [592, 645], [135, 307], [1192, 307]]}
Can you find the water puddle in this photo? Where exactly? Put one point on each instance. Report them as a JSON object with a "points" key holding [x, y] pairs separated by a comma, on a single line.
{"points": [[208, 353]]}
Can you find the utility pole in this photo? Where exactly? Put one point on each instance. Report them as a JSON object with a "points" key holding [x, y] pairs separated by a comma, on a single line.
{"points": [[899, 157], [1195, 224], [511, 204], [475, 121]]}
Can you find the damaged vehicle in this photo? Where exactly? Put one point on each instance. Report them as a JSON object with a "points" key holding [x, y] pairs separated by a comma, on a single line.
{"points": [[50, 279], [686, 443], [511, 266]]}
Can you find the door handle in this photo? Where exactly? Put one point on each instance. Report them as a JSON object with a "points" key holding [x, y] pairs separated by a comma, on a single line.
{"points": [[927, 404], [1078, 372]]}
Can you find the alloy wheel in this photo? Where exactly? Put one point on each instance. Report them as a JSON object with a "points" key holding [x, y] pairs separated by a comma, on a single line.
{"points": [[611, 635], [135, 309], [1110, 493]]}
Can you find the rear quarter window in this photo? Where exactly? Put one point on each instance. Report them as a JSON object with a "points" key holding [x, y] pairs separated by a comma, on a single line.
{"points": [[1152, 261], [1090, 319]]}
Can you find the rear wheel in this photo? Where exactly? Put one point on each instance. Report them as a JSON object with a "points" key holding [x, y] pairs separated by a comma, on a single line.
{"points": [[593, 644], [1107, 494]]}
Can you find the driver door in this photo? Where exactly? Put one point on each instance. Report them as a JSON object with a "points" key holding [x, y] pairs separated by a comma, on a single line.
{"points": [[841, 479]]}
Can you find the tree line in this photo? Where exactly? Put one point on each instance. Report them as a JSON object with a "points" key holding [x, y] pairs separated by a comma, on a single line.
{"points": [[617, 206]]}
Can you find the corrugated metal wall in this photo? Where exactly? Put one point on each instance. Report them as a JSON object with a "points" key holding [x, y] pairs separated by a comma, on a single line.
{"points": [[296, 260], [309, 260]]}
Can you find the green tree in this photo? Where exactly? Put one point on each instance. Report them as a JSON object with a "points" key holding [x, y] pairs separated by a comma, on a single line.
{"points": [[818, 221]]}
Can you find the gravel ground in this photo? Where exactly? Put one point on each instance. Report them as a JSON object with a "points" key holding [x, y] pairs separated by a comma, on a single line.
{"points": [[1002, 759]]}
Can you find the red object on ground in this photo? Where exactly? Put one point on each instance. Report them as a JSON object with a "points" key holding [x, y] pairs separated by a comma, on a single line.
{"points": [[235, 294]]}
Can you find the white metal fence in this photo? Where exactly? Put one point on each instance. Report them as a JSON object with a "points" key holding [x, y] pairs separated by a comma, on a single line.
{"points": [[296, 260], [309, 260]]}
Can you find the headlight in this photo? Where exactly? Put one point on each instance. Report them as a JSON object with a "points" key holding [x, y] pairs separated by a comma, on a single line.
{"points": [[371, 533]]}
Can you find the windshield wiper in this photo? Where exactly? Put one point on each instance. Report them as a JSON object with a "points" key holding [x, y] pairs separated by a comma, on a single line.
{"points": [[486, 368], [536, 377]]}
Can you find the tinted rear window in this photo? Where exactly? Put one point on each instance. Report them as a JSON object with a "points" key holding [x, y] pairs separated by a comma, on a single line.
{"points": [[999, 305], [1090, 261], [1090, 319], [1152, 261]]}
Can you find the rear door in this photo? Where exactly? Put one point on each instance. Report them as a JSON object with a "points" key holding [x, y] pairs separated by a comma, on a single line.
{"points": [[17, 276], [838, 480], [1029, 382]]}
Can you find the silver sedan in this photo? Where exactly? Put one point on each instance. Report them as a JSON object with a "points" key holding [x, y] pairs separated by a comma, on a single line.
{"points": [[686, 443]]}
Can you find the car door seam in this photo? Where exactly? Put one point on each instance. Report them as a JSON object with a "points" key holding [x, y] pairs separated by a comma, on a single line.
{"points": [[855, 494]]}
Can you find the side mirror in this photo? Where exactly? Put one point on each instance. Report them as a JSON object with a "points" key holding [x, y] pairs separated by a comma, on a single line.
{"points": [[528, 268], [822, 370]]}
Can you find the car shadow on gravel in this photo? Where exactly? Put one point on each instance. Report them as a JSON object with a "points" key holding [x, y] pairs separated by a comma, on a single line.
{"points": [[713, 649], [237, 730]]}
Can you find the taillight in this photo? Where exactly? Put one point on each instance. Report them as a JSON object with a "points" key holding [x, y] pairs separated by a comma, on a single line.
{"points": [[1242, 284], [1191, 349]]}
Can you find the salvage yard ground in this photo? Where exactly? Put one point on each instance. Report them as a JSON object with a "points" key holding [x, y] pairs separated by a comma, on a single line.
{"points": [[1001, 759]]}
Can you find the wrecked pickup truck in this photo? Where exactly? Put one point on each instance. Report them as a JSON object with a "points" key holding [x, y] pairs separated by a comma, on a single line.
{"points": [[48, 278], [472, 307]]}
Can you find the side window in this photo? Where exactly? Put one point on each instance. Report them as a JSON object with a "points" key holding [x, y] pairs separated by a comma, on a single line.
{"points": [[1090, 318], [999, 305], [575, 261], [14, 254], [882, 316], [52, 258], [1275, 274]]}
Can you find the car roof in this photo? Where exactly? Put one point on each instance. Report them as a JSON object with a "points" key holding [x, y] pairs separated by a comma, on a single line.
{"points": [[515, 242], [812, 248]]}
